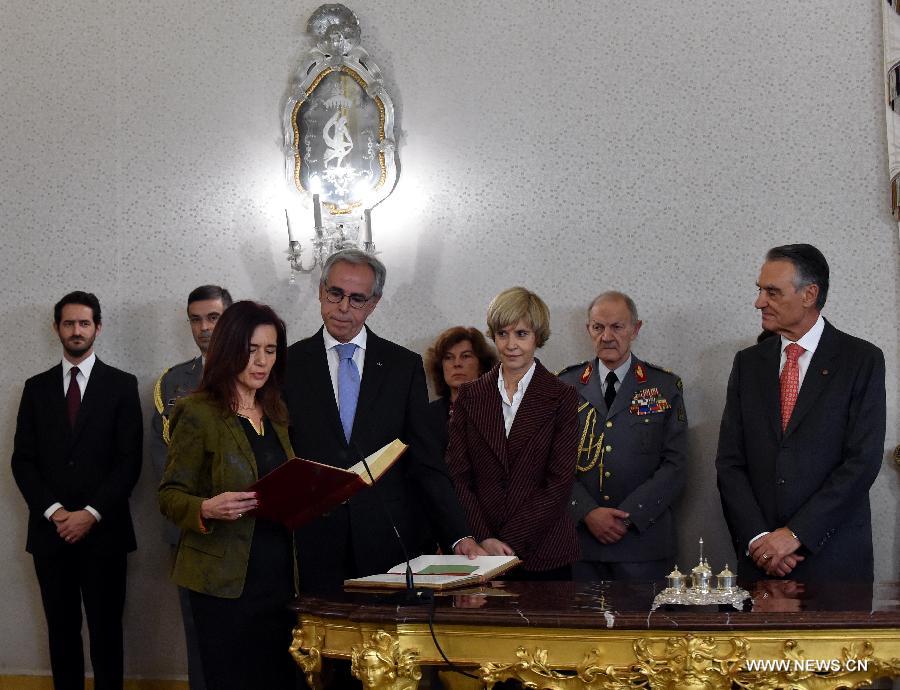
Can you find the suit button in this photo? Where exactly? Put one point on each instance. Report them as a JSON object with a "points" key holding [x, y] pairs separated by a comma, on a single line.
{"points": [[608, 449], [780, 481], [609, 424], [607, 474], [646, 420], [606, 498]]}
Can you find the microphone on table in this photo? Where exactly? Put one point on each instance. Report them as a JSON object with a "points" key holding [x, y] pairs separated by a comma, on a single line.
{"points": [[412, 595]]}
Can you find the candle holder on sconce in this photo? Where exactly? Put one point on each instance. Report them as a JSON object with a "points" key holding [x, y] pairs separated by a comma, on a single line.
{"points": [[700, 591], [338, 138]]}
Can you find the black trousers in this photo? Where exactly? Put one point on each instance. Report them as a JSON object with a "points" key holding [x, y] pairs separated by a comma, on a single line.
{"points": [[68, 579]]}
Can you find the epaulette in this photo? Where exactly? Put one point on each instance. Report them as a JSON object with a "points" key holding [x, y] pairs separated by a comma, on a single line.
{"points": [[572, 367], [678, 382], [658, 367]]}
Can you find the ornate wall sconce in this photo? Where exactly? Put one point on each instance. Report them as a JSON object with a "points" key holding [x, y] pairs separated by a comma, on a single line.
{"points": [[338, 137]]}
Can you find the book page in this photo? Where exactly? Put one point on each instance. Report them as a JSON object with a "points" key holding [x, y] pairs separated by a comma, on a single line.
{"points": [[380, 460], [433, 565]]}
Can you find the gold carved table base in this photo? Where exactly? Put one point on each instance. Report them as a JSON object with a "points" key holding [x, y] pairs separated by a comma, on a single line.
{"points": [[388, 657]]}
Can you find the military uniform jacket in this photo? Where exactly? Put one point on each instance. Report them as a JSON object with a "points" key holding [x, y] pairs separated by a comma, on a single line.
{"points": [[174, 383], [631, 457]]}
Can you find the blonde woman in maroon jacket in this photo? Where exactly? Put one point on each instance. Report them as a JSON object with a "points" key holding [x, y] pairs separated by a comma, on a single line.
{"points": [[513, 442]]}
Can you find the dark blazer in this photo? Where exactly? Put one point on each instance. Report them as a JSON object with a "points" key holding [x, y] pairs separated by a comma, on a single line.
{"points": [[815, 477], [515, 489], [439, 416], [644, 463], [97, 463], [209, 453], [393, 403]]}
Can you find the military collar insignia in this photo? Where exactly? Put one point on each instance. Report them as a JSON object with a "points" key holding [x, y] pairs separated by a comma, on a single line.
{"points": [[586, 374], [640, 374]]}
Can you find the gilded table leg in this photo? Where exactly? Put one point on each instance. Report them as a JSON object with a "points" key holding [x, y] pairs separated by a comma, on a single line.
{"points": [[306, 650], [380, 664]]}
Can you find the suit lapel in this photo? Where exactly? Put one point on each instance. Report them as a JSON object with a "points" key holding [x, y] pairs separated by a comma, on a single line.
{"points": [[372, 379], [533, 412], [487, 417], [623, 397], [766, 373], [240, 439], [56, 399], [319, 381], [820, 371], [92, 396], [592, 391]]}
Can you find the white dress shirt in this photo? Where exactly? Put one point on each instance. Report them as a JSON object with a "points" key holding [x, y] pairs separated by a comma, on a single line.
{"points": [[510, 407], [82, 377], [620, 371], [359, 357], [809, 341]]}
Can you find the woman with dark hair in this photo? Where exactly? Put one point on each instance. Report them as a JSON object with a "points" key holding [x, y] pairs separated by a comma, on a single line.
{"points": [[458, 355], [240, 571]]}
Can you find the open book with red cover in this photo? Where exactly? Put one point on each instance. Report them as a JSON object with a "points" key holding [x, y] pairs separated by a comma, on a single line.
{"points": [[299, 491]]}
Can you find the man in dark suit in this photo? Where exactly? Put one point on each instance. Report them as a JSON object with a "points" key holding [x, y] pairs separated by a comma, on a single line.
{"points": [[205, 305], [349, 393], [802, 434], [633, 452], [76, 458]]}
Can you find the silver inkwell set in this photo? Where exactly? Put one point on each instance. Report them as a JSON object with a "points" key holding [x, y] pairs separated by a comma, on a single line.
{"points": [[700, 591]]}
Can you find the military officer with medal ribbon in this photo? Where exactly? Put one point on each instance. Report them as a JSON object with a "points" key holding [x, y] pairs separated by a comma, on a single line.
{"points": [[632, 452]]}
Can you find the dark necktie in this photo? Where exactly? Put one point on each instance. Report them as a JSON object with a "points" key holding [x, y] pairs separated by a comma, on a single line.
{"points": [[348, 386], [73, 396], [610, 393]]}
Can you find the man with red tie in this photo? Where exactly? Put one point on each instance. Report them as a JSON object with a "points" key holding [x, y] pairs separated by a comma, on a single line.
{"points": [[802, 434], [76, 458]]}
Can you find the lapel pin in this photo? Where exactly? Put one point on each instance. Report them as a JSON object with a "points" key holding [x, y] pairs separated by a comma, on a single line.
{"points": [[824, 372], [378, 363]]}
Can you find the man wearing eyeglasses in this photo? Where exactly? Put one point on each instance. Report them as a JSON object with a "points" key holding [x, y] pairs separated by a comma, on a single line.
{"points": [[350, 392], [205, 305]]}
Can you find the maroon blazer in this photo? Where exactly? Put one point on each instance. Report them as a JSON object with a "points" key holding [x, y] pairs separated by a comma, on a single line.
{"points": [[516, 489]]}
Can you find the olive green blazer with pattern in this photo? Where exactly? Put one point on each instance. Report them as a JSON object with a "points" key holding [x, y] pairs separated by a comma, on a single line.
{"points": [[209, 453]]}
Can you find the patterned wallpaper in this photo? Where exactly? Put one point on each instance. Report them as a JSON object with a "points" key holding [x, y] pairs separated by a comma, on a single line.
{"points": [[569, 147]]}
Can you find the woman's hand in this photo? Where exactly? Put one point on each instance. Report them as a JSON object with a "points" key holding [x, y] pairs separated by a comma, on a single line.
{"points": [[495, 547], [230, 505]]}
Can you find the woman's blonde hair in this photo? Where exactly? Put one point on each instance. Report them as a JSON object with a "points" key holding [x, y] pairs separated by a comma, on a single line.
{"points": [[518, 304]]}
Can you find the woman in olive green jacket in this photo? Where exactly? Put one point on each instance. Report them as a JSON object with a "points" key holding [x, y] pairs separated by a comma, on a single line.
{"points": [[240, 571]]}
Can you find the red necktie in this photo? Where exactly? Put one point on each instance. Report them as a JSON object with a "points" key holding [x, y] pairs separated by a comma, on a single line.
{"points": [[790, 382], [73, 396]]}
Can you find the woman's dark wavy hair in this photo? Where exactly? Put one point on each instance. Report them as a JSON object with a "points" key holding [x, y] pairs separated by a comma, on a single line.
{"points": [[434, 357], [229, 353]]}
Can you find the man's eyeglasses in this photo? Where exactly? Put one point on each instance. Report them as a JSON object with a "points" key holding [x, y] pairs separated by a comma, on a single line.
{"points": [[336, 296]]}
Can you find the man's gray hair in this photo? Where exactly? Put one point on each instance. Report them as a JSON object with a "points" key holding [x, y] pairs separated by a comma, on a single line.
{"points": [[612, 295], [357, 257]]}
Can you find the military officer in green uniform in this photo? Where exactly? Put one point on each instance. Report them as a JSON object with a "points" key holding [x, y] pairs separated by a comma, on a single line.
{"points": [[632, 452], [205, 305]]}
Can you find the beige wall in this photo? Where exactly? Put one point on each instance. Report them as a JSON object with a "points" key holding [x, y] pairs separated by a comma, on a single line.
{"points": [[572, 147]]}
